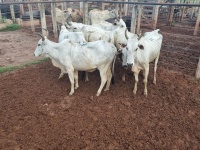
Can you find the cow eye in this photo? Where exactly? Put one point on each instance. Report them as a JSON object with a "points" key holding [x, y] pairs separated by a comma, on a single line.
{"points": [[123, 45], [38, 44]]}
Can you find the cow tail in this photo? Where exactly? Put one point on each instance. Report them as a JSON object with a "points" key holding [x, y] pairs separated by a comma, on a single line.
{"points": [[113, 68]]}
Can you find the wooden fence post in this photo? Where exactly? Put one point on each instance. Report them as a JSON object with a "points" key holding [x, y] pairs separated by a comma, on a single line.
{"points": [[81, 6], [197, 23], [0, 10], [42, 18], [85, 12], [0, 15], [155, 17], [182, 13], [133, 19], [64, 6], [31, 17], [193, 9], [117, 9], [103, 6], [21, 9], [53, 15], [126, 8], [12, 12], [197, 75], [139, 18], [171, 15]]}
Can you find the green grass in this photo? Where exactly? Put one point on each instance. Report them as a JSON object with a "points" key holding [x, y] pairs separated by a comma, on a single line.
{"points": [[12, 68], [11, 27], [2, 19]]}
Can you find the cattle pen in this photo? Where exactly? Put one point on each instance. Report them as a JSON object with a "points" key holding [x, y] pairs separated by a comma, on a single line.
{"points": [[147, 15], [36, 111]]}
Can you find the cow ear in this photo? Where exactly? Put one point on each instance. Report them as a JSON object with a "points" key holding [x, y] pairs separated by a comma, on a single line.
{"points": [[141, 47], [73, 10]]}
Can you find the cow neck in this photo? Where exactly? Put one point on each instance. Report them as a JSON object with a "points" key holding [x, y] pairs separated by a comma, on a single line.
{"points": [[52, 49]]}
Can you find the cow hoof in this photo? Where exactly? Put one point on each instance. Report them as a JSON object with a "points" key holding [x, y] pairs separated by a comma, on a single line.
{"points": [[86, 80], [71, 93], [98, 94], [76, 87], [106, 89], [154, 82], [145, 93], [60, 76]]}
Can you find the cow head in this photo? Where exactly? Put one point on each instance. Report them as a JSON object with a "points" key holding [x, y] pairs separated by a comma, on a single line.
{"points": [[113, 14], [120, 23], [40, 46], [129, 50]]}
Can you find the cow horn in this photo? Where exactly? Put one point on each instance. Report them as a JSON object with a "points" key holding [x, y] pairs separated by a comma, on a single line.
{"points": [[126, 34], [116, 16], [140, 35], [69, 20], [46, 31], [41, 36]]}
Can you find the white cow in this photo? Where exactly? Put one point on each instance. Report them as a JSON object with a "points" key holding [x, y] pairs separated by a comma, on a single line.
{"points": [[75, 27], [140, 52], [116, 36], [76, 37], [77, 15], [74, 57], [61, 16], [110, 26], [97, 16], [94, 34]]}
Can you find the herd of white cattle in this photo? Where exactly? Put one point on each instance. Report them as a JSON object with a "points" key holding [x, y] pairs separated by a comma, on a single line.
{"points": [[84, 47]]}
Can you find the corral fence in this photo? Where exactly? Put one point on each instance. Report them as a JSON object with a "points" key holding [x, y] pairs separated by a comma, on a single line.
{"points": [[182, 13], [179, 53]]}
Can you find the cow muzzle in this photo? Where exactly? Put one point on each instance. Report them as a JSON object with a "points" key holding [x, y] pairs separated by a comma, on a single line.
{"points": [[129, 65], [119, 51]]}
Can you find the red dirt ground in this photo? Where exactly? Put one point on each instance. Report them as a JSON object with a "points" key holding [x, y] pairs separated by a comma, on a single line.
{"points": [[37, 113]]}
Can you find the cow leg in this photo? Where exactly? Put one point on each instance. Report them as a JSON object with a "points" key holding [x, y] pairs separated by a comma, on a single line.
{"points": [[136, 81], [109, 76], [76, 79], [86, 77], [71, 78], [155, 68], [145, 80], [103, 79], [61, 74], [123, 77], [124, 74]]}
